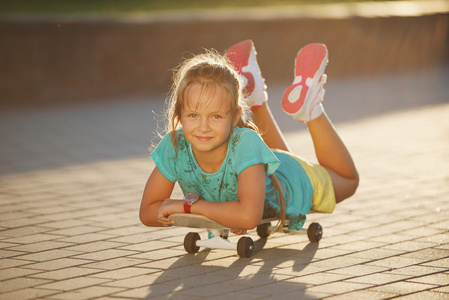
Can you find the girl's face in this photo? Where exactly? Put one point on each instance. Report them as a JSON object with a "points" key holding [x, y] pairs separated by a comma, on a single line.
{"points": [[207, 121]]}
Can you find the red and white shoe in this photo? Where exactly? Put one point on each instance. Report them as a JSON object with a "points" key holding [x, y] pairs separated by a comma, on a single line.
{"points": [[302, 100], [243, 56]]}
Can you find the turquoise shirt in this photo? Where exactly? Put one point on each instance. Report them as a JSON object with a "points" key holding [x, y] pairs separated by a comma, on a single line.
{"points": [[245, 148]]}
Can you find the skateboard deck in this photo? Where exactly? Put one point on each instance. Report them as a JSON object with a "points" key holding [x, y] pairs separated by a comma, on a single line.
{"points": [[199, 221], [194, 221]]}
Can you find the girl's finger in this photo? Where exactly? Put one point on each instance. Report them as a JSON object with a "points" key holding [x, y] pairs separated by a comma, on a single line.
{"points": [[165, 221], [238, 231]]}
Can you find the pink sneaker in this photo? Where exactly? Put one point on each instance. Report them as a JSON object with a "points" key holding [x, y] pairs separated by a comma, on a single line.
{"points": [[303, 98], [243, 55]]}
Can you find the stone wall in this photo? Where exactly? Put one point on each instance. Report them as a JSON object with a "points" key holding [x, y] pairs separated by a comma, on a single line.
{"points": [[58, 63]]}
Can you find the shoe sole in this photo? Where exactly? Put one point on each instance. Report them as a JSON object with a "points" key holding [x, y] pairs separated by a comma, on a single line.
{"points": [[309, 67], [240, 55]]}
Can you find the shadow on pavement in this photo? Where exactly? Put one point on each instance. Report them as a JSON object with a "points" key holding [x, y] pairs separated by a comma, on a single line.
{"points": [[262, 275]]}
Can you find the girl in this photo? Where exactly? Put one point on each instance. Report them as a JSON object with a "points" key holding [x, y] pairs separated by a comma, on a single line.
{"points": [[235, 171]]}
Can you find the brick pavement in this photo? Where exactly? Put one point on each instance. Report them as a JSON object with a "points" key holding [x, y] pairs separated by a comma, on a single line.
{"points": [[71, 181]]}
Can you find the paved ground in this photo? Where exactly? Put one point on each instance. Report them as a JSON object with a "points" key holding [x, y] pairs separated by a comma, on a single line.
{"points": [[71, 181]]}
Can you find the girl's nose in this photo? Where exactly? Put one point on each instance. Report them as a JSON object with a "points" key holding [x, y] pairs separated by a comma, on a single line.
{"points": [[204, 124]]}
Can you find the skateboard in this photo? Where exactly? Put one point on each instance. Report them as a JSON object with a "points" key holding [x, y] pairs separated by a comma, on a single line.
{"points": [[218, 234]]}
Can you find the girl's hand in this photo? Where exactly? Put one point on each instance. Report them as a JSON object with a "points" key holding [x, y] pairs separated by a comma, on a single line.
{"points": [[167, 208], [238, 231]]}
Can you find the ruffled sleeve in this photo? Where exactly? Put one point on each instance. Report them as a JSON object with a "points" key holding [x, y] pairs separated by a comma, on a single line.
{"points": [[164, 156]]}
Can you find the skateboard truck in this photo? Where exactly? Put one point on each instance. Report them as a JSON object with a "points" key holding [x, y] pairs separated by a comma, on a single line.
{"points": [[244, 246]]}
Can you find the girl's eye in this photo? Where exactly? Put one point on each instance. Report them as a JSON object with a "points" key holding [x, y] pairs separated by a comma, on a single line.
{"points": [[192, 115], [216, 117]]}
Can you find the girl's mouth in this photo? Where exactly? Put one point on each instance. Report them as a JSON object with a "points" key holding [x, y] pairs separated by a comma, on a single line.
{"points": [[203, 138]]}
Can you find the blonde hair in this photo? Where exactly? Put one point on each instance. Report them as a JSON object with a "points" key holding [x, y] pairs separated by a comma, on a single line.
{"points": [[212, 69]]}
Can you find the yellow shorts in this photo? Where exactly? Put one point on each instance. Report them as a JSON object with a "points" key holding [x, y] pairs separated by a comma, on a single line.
{"points": [[323, 191]]}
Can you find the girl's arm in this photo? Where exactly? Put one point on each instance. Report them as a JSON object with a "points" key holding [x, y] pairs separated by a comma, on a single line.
{"points": [[157, 189], [244, 214]]}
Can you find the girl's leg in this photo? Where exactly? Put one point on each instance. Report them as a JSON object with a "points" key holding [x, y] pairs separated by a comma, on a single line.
{"points": [[302, 100], [270, 132], [243, 56], [334, 156], [330, 150]]}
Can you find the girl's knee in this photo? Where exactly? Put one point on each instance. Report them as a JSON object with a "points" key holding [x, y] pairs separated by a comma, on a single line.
{"points": [[347, 189]]}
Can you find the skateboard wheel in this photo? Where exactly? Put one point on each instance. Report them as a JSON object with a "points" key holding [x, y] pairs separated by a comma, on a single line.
{"points": [[263, 230], [190, 242], [315, 232], [245, 247]]}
